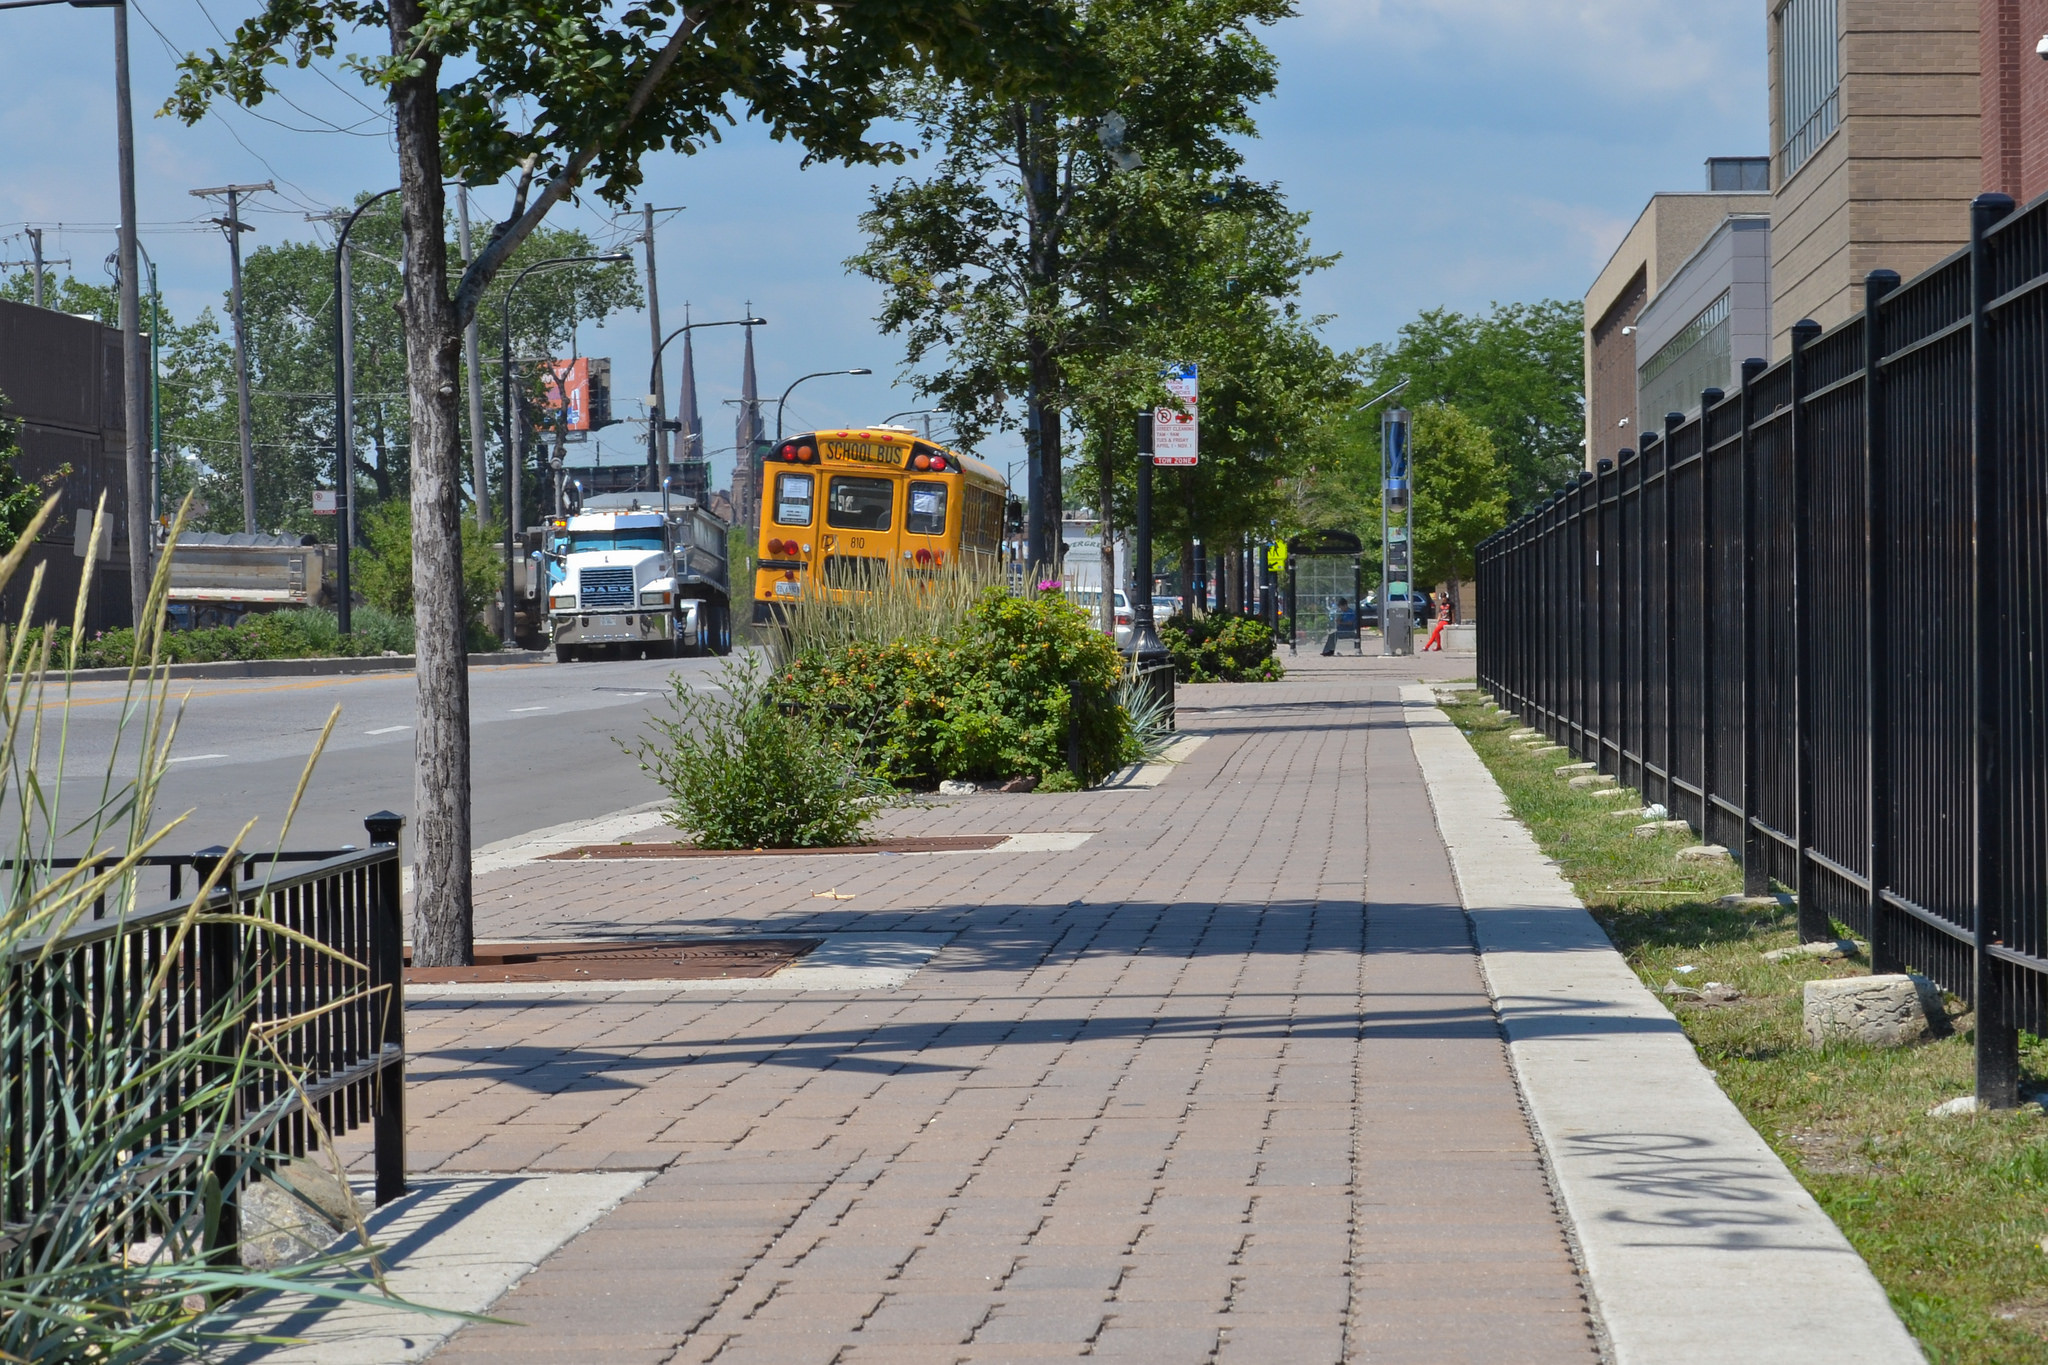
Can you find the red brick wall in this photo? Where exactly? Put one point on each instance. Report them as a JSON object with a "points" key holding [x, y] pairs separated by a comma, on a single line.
{"points": [[1613, 380], [2013, 95]]}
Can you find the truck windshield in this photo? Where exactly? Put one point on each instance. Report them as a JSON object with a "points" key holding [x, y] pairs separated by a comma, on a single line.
{"points": [[583, 542]]}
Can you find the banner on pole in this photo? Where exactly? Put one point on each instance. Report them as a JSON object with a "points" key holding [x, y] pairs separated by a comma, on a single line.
{"points": [[1175, 434]]}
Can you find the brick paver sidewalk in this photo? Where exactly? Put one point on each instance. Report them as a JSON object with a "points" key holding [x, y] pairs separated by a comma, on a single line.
{"points": [[1222, 1083]]}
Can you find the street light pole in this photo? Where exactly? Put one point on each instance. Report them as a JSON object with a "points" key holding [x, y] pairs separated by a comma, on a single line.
{"points": [[820, 374], [655, 410], [513, 434], [1150, 660], [345, 413], [235, 227]]}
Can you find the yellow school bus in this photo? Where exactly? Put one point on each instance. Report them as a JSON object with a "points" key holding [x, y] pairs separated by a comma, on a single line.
{"points": [[840, 509]]}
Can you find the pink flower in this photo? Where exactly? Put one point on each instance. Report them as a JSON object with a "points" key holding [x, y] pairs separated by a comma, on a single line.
{"points": [[1049, 585]]}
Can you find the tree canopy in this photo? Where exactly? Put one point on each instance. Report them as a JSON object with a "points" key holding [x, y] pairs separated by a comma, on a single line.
{"points": [[1518, 370]]}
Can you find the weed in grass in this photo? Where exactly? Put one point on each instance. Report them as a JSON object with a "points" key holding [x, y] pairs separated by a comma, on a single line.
{"points": [[1951, 1214]]}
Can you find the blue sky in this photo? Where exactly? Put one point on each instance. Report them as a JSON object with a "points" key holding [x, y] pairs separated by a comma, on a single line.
{"points": [[1455, 152]]}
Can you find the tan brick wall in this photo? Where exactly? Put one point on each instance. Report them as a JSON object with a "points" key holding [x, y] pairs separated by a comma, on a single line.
{"points": [[1892, 187]]}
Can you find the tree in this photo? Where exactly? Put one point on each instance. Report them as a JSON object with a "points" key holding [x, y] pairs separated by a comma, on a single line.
{"points": [[569, 95], [1519, 371], [996, 266], [20, 500], [1459, 495]]}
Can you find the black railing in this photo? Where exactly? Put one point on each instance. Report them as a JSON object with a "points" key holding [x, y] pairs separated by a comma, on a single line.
{"points": [[294, 1041], [1812, 621]]}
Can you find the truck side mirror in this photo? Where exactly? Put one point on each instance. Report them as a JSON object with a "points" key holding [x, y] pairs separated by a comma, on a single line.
{"points": [[533, 578]]}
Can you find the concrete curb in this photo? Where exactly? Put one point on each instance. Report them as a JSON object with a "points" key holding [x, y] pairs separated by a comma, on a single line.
{"points": [[310, 668], [1694, 1239], [458, 1244]]}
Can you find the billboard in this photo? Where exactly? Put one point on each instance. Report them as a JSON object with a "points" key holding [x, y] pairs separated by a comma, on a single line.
{"points": [[577, 396]]}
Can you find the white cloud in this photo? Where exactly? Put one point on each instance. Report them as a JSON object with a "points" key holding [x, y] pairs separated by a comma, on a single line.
{"points": [[1705, 48]]}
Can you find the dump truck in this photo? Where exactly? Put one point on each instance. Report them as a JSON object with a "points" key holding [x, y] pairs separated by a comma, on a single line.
{"points": [[627, 579], [217, 579]]}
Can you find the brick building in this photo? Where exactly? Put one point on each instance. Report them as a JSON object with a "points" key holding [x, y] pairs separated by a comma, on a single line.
{"points": [[2013, 97], [1671, 232]]}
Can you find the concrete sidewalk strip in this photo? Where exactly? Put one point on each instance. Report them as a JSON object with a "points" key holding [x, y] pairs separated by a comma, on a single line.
{"points": [[1144, 776], [844, 962], [1695, 1239], [456, 1244]]}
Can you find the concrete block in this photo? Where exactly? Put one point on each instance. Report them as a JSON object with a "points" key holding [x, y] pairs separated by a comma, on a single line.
{"points": [[1704, 853], [1873, 1011], [1590, 781], [1611, 792], [1545, 750], [1567, 769], [1825, 949], [1650, 829]]}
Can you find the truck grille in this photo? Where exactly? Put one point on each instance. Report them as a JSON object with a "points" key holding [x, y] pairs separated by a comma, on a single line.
{"points": [[604, 589]]}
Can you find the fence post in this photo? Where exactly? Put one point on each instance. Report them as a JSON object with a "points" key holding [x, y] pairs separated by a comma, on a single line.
{"points": [[1709, 400], [1814, 923], [1754, 880], [1603, 724], [1672, 422], [1998, 1063], [220, 980], [387, 978], [1876, 618]]}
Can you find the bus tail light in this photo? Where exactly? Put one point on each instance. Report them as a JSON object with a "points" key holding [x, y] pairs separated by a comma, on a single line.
{"points": [[938, 463], [921, 462]]}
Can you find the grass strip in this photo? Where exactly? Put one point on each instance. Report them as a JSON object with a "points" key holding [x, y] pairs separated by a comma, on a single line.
{"points": [[1951, 1213]]}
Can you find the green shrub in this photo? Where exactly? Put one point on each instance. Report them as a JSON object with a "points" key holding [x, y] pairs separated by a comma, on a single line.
{"points": [[382, 570], [1221, 647], [1023, 687], [742, 771]]}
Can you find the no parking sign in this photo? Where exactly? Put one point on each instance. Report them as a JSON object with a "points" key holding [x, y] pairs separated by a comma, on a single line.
{"points": [[1175, 434]]}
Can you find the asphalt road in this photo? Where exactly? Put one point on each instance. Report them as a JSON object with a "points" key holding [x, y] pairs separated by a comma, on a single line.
{"points": [[543, 749]]}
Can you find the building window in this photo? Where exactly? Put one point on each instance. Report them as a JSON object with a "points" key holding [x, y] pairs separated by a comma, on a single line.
{"points": [[1809, 80], [1697, 358]]}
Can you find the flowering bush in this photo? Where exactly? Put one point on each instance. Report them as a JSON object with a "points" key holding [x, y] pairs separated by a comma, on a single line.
{"points": [[1026, 687]]}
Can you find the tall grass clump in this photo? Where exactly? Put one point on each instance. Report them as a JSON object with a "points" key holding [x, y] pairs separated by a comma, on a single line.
{"points": [[115, 1173], [743, 771], [912, 605]]}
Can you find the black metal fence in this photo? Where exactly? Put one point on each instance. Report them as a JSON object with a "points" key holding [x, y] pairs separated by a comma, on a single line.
{"points": [[328, 1051], [1813, 621]]}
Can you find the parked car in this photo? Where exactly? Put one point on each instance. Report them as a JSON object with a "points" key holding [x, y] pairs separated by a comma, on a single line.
{"points": [[1163, 607]]}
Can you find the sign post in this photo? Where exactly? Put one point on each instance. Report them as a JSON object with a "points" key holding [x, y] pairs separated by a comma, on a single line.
{"points": [[1176, 435], [1397, 624]]}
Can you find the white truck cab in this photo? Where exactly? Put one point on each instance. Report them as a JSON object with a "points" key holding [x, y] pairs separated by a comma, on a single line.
{"points": [[637, 581]]}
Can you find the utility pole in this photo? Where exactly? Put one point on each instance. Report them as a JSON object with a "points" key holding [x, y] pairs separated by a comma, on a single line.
{"points": [[36, 261], [470, 356], [235, 227], [660, 443], [134, 361]]}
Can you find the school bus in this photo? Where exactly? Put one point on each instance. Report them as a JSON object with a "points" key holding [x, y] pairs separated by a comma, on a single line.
{"points": [[842, 509]]}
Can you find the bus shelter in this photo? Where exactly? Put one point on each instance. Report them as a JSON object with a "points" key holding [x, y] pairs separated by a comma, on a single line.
{"points": [[1324, 581]]}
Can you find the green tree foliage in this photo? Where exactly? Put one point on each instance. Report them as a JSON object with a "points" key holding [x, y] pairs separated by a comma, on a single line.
{"points": [[1519, 371], [19, 499], [1057, 240], [1460, 492], [382, 572]]}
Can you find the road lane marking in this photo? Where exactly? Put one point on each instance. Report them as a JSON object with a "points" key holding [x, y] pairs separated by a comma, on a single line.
{"points": [[194, 758], [517, 709], [388, 730]]}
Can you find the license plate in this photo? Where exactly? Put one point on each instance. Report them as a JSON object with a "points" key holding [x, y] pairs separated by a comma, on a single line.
{"points": [[608, 620], [785, 588]]}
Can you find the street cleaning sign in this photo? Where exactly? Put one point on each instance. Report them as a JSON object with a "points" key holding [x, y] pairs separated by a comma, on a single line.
{"points": [[1175, 434]]}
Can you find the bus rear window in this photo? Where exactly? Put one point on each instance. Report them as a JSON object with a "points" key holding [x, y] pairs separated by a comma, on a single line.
{"points": [[793, 499], [860, 504], [927, 510]]}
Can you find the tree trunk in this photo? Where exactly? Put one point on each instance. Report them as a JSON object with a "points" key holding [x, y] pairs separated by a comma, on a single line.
{"points": [[442, 918]]}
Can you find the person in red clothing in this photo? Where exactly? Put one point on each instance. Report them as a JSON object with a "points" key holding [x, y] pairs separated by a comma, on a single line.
{"points": [[1443, 618]]}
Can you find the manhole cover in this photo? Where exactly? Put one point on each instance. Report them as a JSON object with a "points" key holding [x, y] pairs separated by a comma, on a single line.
{"points": [[700, 959], [934, 843]]}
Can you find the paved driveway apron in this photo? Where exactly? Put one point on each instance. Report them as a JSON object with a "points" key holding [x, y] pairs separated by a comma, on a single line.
{"points": [[1169, 1095]]}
